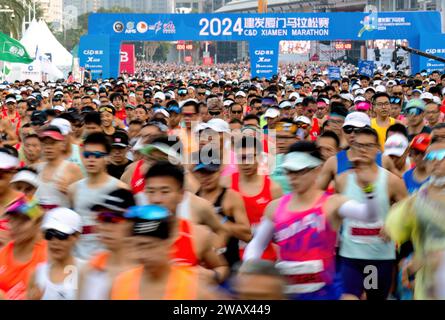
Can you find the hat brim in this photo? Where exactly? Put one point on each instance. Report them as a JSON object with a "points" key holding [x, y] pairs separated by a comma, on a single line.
{"points": [[56, 225], [119, 145], [356, 124], [52, 134]]}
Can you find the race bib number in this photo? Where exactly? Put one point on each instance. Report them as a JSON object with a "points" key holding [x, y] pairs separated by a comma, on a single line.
{"points": [[365, 233], [303, 277]]}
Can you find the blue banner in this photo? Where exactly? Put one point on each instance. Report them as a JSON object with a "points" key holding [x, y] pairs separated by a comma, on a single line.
{"points": [[262, 31], [433, 44], [94, 55], [366, 68], [334, 73]]}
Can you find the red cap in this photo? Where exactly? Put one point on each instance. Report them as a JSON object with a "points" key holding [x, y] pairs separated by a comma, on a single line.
{"points": [[52, 134], [421, 142]]}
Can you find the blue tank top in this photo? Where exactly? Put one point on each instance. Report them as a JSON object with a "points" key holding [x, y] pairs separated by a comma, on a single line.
{"points": [[412, 185], [343, 163]]}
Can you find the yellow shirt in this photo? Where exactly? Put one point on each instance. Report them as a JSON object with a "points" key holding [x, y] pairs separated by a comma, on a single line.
{"points": [[417, 219], [381, 131]]}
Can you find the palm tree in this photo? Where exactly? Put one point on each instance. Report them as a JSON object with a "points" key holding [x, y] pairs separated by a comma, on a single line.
{"points": [[12, 22]]}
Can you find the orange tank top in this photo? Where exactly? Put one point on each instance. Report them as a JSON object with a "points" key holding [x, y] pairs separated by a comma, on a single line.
{"points": [[182, 284], [14, 275], [183, 251]]}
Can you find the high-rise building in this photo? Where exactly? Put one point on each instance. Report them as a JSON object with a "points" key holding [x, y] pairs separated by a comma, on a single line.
{"points": [[196, 6], [52, 12]]}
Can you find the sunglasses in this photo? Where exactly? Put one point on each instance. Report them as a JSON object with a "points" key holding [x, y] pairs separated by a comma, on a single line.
{"points": [[437, 155], [350, 129], [237, 112], [398, 94], [413, 111], [214, 113], [174, 109], [395, 100], [110, 217], [106, 109], [302, 125], [201, 93], [95, 154], [51, 233]]}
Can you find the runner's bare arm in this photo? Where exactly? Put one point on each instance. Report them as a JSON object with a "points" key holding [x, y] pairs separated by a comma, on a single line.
{"points": [[209, 257], [76, 173], [397, 189], [208, 216], [327, 173], [275, 190], [263, 234], [388, 164], [128, 173], [33, 292], [239, 229]]}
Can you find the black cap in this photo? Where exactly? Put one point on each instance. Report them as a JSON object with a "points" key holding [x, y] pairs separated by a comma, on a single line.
{"points": [[38, 118], [118, 200], [120, 139]]}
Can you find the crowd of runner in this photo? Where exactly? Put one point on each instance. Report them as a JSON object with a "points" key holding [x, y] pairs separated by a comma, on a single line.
{"points": [[207, 184]]}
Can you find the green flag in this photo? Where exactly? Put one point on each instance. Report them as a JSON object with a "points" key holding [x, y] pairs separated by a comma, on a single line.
{"points": [[12, 50], [7, 70]]}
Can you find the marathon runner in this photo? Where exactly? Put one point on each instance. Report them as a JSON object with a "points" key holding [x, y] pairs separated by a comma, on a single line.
{"points": [[304, 223], [86, 192], [57, 279]]}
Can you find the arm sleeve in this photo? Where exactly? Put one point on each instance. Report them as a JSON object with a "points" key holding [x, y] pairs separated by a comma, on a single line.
{"points": [[261, 239], [366, 212]]}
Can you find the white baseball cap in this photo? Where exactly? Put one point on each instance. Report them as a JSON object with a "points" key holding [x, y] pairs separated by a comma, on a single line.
{"points": [[391, 83], [347, 96], [59, 108], [62, 219], [359, 99], [218, 125], [380, 88], [63, 125], [294, 95], [159, 95], [426, 96], [11, 99], [357, 119], [285, 104], [396, 145], [303, 119], [240, 94], [26, 176], [271, 113], [437, 100], [163, 112]]}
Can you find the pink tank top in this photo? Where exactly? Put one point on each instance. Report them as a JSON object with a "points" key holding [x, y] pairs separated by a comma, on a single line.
{"points": [[307, 246]]}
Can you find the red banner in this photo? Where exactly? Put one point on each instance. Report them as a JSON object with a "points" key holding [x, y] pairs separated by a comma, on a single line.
{"points": [[128, 61], [207, 61]]}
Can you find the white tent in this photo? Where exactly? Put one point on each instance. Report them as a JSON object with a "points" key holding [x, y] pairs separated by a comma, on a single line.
{"points": [[39, 35]]}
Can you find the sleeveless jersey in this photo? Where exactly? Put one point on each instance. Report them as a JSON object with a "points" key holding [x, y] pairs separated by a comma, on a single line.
{"points": [[47, 193], [183, 251], [255, 206], [412, 185], [361, 240], [97, 283], [182, 284], [307, 247], [138, 184], [381, 131], [57, 291], [343, 163]]}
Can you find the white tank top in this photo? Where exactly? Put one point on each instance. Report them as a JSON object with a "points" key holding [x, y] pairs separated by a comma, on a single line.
{"points": [[66, 290], [96, 285], [47, 193]]}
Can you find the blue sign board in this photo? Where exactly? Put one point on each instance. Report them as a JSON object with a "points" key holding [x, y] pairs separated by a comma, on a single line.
{"points": [[262, 31], [366, 68], [433, 44], [334, 73], [94, 55]]}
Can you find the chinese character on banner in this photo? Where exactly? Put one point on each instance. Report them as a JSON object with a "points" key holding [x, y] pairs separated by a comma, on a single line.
{"points": [[259, 22], [249, 23], [271, 23]]}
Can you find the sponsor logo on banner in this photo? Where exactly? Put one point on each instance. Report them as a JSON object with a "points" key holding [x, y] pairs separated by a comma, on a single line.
{"points": [[142, 27], [130, 27], [169, 28], [118, 27]]}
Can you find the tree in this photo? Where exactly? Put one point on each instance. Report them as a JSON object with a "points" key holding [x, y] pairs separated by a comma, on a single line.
{"points": [[70, 38], [12, 22]]}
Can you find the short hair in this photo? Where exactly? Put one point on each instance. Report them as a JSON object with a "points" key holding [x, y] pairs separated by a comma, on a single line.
{"points": [[235, 104], [368, 131], [251, 117], [136, 122], [398, 128], [247, 142], [379, 95], [332, 135], [93, 118], [254, 100], [166, 169], [439, 126], [192, 103], [115, 95], [306, 146], [98, 138], [9, 150]]}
